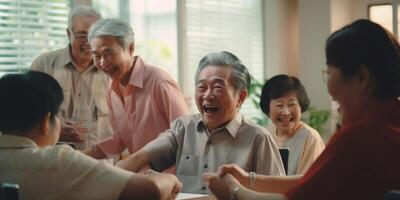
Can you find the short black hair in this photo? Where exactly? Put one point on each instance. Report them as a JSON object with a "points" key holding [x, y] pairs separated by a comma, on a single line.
{"points": [[280, 85], [25, 98], [365, 43]]}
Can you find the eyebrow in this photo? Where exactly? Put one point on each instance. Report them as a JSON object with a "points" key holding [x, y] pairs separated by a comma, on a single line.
{"points": [[217, 80], [106, 49]]}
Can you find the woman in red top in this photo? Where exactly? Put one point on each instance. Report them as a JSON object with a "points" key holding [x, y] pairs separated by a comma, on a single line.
{"points": [[361, 161]]}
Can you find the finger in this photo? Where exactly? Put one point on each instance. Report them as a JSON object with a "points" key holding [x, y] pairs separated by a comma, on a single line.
{"points": [[224, 169]]}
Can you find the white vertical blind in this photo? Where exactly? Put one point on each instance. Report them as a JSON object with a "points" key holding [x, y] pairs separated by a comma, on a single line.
{"points": [[29, 28], [230, 25]]}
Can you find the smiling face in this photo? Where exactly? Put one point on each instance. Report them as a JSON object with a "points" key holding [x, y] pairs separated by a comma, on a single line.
{"points": [[285, 112], [111, 57], [345, 90], [216, 98], [77, 35]]}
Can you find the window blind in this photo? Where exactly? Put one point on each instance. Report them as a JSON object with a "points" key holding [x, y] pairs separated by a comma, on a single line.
{"points": [[235, 26], [29, 28]]}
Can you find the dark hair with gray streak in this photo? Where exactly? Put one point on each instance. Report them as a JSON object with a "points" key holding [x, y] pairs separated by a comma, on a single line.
{"points": [[240, 75]]}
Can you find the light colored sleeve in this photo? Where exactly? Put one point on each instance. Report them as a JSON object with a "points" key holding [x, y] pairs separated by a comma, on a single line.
{"points": [[268, 159], [313, 147], [37, 64], [82, 177], [162, 151], [170, 99]]}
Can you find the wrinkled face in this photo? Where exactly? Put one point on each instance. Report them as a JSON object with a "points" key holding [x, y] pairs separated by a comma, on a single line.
{"points": [[111, 57], [285, 112], [78, 37], [216, 97]]}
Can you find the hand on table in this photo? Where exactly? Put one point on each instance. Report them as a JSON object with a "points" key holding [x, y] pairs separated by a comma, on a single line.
{"points": [[168, 184]]}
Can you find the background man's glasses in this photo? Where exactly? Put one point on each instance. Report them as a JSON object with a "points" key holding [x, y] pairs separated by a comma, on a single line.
{"points": [[80, 37]]}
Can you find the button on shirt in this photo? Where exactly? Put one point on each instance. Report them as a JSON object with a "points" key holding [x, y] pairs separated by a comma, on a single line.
{"points": [[57, 172], [153, 101], [195, 151]]}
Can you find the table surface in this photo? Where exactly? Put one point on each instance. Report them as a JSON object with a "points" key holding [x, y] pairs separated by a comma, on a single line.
{"points": [[188, 196]]}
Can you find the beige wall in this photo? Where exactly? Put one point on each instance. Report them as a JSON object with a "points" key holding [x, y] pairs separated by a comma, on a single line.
{"points": [[296, 31], [281, 41], [359, 9]]}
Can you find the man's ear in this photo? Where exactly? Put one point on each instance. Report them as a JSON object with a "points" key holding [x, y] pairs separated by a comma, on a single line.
{"points": [[45, 123], [131, 48], [68, 34], [242, 97]]}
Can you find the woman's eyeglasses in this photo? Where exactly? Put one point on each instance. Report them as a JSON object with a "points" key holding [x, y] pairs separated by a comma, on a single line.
{"points": [[325, 76]]}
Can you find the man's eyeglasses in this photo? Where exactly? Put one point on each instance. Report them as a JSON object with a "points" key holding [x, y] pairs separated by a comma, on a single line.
{"points": [[80, 37], [325, 76]]}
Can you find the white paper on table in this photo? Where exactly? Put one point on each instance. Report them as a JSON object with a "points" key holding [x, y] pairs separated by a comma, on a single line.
{"points": [[188, 196]]}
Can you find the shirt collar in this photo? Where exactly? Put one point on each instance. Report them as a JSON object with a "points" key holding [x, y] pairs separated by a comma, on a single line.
{"points": [[232, 127], [137, 74], [13, 141]]}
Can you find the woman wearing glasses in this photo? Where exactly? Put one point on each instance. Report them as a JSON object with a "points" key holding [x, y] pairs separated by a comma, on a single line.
{"points": [[363, 63]]}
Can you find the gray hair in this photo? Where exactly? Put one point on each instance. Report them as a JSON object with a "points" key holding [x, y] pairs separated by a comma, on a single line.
{"points": [[115, 28], [81, 11], [240, 75]]}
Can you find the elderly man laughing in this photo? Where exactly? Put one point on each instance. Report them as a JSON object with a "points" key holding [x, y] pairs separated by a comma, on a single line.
{"points": [[218, 135]]}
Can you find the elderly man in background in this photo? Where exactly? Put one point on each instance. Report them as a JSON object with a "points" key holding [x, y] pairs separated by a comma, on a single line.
{"points": [[142, 99], [84, 112], [218, 135]]}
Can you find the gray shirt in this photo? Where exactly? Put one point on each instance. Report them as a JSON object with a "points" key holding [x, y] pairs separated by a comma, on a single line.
{"points": [[194, 150]]}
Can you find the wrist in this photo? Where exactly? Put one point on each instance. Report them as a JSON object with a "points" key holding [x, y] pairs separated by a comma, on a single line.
{"points": [[252, 179], [234, 193]]}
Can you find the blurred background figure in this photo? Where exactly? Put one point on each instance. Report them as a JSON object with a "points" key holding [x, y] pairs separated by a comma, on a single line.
{"points": [[84, 112]]}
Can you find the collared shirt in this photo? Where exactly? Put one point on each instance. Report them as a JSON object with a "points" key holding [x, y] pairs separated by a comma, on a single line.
{"points": [[304, 148], [84, 94], [57, 172], [194, 150], [152, 102]]}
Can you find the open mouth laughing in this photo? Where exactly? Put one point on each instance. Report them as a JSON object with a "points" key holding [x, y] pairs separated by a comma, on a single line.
{"points": [[210, 109]]}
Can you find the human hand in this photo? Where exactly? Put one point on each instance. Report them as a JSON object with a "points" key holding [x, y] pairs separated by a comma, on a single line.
{"points": [[168, 184], [221, 186], [70, 133], [236, 171]]}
